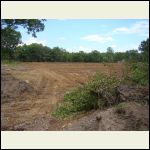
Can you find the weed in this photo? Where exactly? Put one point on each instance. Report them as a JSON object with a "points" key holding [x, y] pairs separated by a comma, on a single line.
{"points": [[120, 108]]}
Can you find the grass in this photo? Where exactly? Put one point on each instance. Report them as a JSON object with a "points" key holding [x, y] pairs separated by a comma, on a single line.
{"points": [[10, 63]]}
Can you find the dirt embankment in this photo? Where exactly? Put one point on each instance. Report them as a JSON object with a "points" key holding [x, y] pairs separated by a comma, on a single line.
{"points": [[131, 114], [30, 91], [135, 117]]}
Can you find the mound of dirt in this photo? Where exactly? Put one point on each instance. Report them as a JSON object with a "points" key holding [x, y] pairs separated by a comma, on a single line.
{"points": [[133, 93], [134, 118], [13, 88]]}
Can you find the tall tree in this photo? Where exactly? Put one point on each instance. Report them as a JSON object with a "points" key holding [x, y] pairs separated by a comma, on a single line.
{"points": [[32, 25], [10, 38], [144, 48], [110, 53]]}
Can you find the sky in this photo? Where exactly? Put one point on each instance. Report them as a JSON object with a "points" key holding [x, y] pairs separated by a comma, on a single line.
{"points": [[91, 34]]}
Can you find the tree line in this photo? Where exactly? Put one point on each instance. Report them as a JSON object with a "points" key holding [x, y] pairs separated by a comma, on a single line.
{"points": [[11, 38], [39, 53]]}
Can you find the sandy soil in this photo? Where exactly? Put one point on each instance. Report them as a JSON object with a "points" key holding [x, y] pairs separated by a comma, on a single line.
{"points": [[134, 118], [30, 91]]}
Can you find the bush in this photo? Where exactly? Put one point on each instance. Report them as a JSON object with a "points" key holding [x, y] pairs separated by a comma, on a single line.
{"points": [[137, 73], [99, 93]]}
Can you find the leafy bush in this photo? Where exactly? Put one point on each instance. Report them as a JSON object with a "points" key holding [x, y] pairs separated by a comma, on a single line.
{"points": [[137, 73], [99, 93]]}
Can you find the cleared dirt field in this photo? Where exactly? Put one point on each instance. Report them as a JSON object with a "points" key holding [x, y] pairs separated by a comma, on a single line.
{"points": [[30, 91]]}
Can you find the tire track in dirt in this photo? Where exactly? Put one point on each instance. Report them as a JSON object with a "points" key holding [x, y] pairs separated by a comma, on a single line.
{"points": [[50, 81]]}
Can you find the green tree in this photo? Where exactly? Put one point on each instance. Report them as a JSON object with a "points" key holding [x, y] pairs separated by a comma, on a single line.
{"points": [[132, 56], [32, 52], [56, 54], [119, 56], [110, 53], [32, 25], [144, 48], [95, 56], [10, 38]]}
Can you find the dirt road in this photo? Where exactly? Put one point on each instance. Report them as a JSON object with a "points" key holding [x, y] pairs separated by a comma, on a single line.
{"points": [[30, 91]]}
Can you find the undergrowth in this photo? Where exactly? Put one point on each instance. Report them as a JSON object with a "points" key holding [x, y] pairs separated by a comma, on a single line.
{"points": [[137, 73], [100, 92], [10, 63]]}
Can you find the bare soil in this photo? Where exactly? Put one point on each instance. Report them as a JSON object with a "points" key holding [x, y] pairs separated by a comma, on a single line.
{"points": [[134, 118], [31, 91]]}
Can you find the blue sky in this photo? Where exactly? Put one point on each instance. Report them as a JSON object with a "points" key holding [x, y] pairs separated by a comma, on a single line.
{"points": [[91, 34]]}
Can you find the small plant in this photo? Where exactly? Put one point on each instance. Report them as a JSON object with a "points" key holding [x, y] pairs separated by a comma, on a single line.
{"points": [[120, 108]]}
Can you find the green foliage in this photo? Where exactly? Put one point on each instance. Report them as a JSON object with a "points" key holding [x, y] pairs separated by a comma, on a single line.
{"points": [[94, 56], [99, 93], [137, 73], [38, 52], [133, 56], [144, 48], [10, 38], [32, 25], [33, 52], [110, 54]]}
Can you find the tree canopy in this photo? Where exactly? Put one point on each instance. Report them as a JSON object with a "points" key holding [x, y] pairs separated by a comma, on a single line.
{"points": [[144, 48], [38, 52], [32, 25], [10, 38]]}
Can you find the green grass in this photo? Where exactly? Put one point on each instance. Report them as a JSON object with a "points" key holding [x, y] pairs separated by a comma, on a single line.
{"points": [[10, 63]]}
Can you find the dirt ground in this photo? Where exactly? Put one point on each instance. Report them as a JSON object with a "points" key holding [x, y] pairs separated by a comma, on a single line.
{"points": [[134, 118], [31, 91]]}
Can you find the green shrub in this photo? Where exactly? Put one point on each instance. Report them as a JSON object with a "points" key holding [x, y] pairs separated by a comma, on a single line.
{"points": [[137, 73], [99, 93]]}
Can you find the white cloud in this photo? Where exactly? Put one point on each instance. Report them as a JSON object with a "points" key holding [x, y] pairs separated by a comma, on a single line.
{"points": [[113, 46], [122, 29], [97, 38], [35, 40], [138, 27], [61, 38]]}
